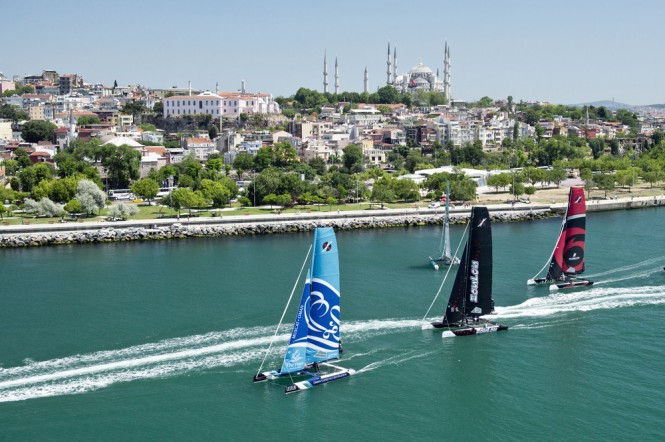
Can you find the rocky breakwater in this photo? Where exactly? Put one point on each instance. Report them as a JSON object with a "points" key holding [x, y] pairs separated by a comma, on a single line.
{"points": [[177, 230]]}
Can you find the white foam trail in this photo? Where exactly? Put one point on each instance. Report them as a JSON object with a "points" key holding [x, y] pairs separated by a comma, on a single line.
{"points": [[587, 300], [394, 360], [87, 372], [634, 275], [646, 263]]}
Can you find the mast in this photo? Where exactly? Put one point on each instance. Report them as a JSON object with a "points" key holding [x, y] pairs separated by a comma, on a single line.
{"points": [[446, 226], [568, 255], [471, 294]]}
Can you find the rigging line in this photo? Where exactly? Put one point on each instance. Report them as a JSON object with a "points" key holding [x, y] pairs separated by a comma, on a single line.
{"points": [[447, 272], [549, 260], [285, 308]]}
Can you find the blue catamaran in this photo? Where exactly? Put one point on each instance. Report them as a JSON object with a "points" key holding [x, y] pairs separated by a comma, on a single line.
{"points": [[315, 337]]}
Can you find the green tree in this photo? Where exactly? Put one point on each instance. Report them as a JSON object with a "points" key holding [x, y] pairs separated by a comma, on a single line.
{"points": [[406, 190], [145, 188], [352, 158], [216, 192], [73, 206], [87, 120], [499, 180], [13, 113], [186, 198], [388, 95], [383, 190], [22, 158], [122, 164], [243, 161], [134, 108], [35, 131], [318, 164], [604, 182], [27, 178]]}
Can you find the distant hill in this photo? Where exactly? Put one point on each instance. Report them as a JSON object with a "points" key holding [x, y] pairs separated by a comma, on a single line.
{"points": [[612, 105], [657, 106]]}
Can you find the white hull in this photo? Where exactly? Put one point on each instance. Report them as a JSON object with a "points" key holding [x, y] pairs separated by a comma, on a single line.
{"points": [[314, 378]]}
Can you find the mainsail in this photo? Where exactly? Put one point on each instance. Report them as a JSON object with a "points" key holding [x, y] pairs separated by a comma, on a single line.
{"points": [[315, 335], [568, 256], [471, 295]]}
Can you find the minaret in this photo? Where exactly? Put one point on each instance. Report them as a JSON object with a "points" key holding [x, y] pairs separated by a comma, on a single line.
{"points": [[446, 72], [242, 86], [336, 77], [190, 88], [366, 82], [72, 125], [325, 73], [388, 63], [217, 87], [395, 66]]}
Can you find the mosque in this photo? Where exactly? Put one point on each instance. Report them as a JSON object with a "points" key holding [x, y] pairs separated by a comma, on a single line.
{"points": [[418, 78]]}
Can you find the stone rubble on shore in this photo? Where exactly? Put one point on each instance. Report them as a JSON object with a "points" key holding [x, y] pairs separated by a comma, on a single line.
{"points": [[182, 230]]}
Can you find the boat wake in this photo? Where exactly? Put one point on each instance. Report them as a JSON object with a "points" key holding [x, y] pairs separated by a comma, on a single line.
{"points": [[587, 300], [638, 270], [172, 357]]}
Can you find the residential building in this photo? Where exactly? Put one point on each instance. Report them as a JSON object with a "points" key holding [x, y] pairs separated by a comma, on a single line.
{"points": [[200, 147]]}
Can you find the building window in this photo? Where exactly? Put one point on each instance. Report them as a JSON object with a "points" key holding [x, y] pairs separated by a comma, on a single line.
{"points": [[200, 104]]}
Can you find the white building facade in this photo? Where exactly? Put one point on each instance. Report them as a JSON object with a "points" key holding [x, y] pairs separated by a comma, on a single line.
{"points": [[227, 104]]}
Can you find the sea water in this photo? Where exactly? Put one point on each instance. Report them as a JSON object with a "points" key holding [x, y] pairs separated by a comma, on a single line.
{"points": [[160, 340]]}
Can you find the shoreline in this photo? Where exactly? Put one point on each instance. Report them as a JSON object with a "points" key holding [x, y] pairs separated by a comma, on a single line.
{"points": [[159, 229]]}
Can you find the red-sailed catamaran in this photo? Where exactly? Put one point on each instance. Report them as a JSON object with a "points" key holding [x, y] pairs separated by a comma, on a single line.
{"points": [[567, 260]]}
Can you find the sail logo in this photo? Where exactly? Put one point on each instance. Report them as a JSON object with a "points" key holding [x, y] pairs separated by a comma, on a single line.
{"points": [[297, 323], [578, 199], [473, 293], [482, 221], [327, 246]]}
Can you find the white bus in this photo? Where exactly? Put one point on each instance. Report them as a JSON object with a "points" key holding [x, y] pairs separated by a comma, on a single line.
{"points": [[120, 194]]}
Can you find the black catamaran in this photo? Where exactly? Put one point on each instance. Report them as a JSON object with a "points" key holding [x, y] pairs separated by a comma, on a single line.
{"points": [[567, 260], [471, 295]]}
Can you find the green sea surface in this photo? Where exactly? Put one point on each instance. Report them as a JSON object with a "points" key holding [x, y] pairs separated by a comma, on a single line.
{"points": [[160, 340]]}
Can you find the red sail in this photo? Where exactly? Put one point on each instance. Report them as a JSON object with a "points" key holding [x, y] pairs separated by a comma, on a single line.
{"points": [[568, 257]]}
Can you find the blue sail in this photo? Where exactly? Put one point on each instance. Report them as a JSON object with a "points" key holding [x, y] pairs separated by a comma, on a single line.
{"points": [[295, 358], [323, 318]]}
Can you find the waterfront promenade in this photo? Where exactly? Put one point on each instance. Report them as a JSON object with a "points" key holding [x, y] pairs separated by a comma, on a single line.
{"points": [[236, 225]]}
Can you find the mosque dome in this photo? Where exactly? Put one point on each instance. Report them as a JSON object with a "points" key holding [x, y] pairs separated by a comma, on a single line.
{"points": [[420, 68]]}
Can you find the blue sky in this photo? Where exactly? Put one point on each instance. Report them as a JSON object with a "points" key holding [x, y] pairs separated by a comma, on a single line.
{"points": [[563, 52]]}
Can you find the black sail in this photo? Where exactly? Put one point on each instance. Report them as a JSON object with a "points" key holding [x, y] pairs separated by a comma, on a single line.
{"points": [[471, 294]]}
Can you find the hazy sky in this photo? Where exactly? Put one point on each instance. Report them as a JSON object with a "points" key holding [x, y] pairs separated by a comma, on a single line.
{"points": [[563, 52]]}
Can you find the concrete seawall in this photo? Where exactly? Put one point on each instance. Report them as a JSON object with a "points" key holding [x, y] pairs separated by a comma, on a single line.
{"points": [[134, 230]]}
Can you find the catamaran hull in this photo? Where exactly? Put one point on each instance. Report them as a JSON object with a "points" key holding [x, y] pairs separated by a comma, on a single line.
{"points": [[571, 284], [319, 380], [314, 379], [557, 284], [438, 262], [451, 331]]}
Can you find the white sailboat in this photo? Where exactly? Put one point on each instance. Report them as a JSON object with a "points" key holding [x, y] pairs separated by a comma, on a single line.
{"points": [[445, 257]]}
